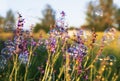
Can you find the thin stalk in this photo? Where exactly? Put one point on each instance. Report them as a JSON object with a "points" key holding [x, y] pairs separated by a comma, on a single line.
{"points": [[109, 72], [99, 52], [26, 69], [91, 70], [16, 66], [61, 71], [46, 68], [10, 78]]}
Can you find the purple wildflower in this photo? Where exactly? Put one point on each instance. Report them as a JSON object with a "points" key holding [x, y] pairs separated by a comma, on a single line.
{"points": [[62, 13]]}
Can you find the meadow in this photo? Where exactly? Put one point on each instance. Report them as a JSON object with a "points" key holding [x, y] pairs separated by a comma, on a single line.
{"points": [[26, 56]]}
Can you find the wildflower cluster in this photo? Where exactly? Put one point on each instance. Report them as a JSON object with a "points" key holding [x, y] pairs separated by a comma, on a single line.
{"points": [[18, 45], [58, 57], [78, 48]]}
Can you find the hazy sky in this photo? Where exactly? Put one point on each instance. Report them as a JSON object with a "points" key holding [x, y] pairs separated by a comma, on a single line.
{"points": [[31, 9]]}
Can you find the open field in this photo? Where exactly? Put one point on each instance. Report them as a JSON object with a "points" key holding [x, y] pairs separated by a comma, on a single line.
{"points": [[51, 62]]}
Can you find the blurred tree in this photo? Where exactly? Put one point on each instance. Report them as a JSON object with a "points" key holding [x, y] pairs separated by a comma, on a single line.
{"points": [[48, 19], [39, 27], [49, 16], [117, 16], [1, 23], [101, 14], [71, 28], [9, 21]]}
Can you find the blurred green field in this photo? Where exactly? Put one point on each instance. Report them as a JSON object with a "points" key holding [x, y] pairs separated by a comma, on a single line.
{"points": [[5, 35], [111, 48]]}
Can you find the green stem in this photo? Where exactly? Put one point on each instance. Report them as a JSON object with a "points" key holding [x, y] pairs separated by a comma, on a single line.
{"points": [[10, 78], [16, 67], [91, 74], [26, 69], [86, 61], [61, 71], [46, 68]]}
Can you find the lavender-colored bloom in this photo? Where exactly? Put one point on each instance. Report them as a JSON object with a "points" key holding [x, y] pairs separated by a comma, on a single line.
{"points": [[3, 63], [9, 43], [7, 52], [51, 44], [40, 42], [20, 23], [23, 57], [62, 13], [33, 43], [80, 32], [77, 50]]}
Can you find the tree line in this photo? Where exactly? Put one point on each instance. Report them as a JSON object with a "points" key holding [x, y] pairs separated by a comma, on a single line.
{"points": [[99, 16], [7, 23], [102, 15]]}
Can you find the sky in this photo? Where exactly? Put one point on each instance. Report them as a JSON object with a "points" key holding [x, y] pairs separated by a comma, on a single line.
{"points": [[31, 9]]}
